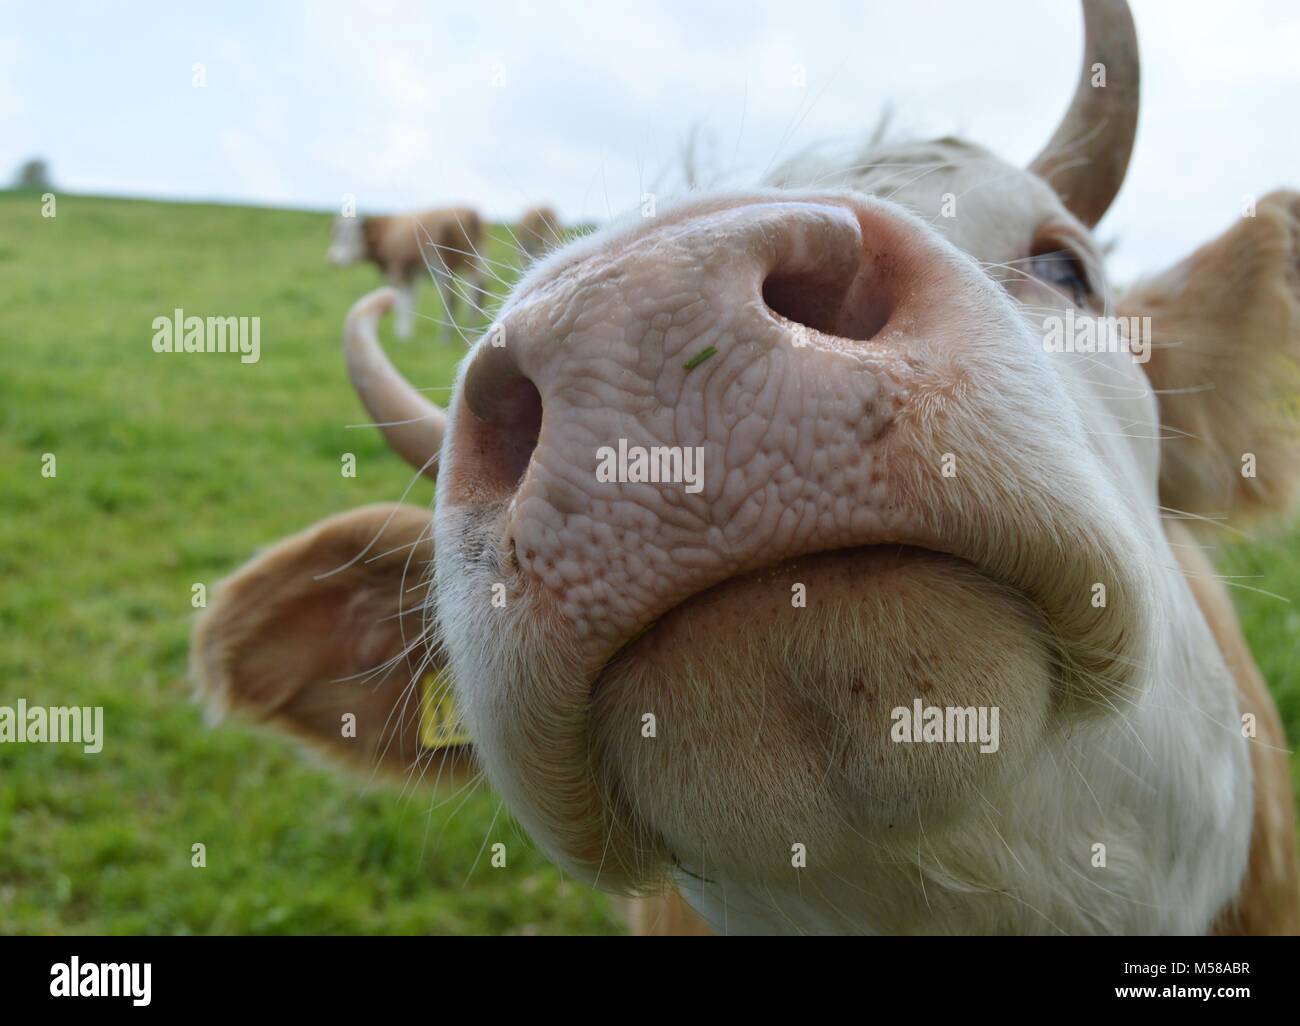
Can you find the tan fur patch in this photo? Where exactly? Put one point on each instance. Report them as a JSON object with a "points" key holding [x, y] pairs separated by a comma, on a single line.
{"points": [[399, 243]]}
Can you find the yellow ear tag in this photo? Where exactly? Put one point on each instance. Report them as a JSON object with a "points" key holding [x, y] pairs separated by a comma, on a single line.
{"points": [[440, 725]]}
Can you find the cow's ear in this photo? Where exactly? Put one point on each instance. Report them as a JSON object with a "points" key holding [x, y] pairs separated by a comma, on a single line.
{"points": [[323, 636], [1226, 329]]}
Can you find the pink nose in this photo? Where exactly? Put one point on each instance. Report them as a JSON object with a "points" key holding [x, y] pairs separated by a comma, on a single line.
{"points": [[702, 396]]}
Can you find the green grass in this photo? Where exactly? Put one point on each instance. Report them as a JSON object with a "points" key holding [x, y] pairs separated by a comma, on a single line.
{"points": [[173, 470]]}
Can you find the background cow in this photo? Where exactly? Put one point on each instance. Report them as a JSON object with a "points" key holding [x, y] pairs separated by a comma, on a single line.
{"points": [[908, 498], [447, 243], [539, 230]]}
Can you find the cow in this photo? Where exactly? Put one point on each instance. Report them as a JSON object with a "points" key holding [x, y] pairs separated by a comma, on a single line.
{"points": [[538, 231], [449, 242], [936, 648]]}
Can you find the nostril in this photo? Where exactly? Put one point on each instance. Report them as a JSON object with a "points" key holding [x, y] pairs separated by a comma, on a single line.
{"points": [[828, 276], [827, 300], [504, 424], [517, 424], [805, 300]]}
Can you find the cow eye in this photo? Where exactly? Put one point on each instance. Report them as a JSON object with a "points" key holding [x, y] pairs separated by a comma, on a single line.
{"points": [[1064, 271]]}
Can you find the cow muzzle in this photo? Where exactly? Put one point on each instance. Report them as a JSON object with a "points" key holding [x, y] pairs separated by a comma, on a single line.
{"points": [[726, 495]]}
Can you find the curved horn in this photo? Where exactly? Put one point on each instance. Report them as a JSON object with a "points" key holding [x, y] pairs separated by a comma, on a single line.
{"points": [[412, 425], [1087, 157]]}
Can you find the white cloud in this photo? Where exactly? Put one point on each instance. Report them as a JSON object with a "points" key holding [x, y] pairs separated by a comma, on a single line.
{"points": [[395, 102], [15, 138], [252, 167]]}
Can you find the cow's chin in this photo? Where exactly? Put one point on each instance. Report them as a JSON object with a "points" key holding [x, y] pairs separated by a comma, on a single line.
{"points": [[778, 699]]}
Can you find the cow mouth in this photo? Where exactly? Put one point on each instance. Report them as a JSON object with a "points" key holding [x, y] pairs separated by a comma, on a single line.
{"points": [[760, 709], [773, 585]]}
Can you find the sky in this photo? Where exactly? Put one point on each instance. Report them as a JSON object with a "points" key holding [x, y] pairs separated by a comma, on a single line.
{"points": [[587, 106]]}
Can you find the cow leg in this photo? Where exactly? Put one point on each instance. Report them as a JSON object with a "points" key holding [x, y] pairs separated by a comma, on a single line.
{"points": [[447, 293], [404, 309]]}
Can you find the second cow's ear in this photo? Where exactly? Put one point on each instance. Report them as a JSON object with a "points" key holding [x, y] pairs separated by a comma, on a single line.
{"points": [[323, 636], [1225, 324]]}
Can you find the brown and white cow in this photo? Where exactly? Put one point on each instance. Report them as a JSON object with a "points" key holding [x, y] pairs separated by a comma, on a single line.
{"points": [[909, 499], [538, 231], [448, 242]]}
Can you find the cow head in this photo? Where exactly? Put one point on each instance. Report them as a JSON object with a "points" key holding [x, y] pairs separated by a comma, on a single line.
{"points": [[724, 490]]}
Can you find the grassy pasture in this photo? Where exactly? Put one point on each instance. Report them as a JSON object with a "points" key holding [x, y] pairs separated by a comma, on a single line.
{"points": [[173, 470]]}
